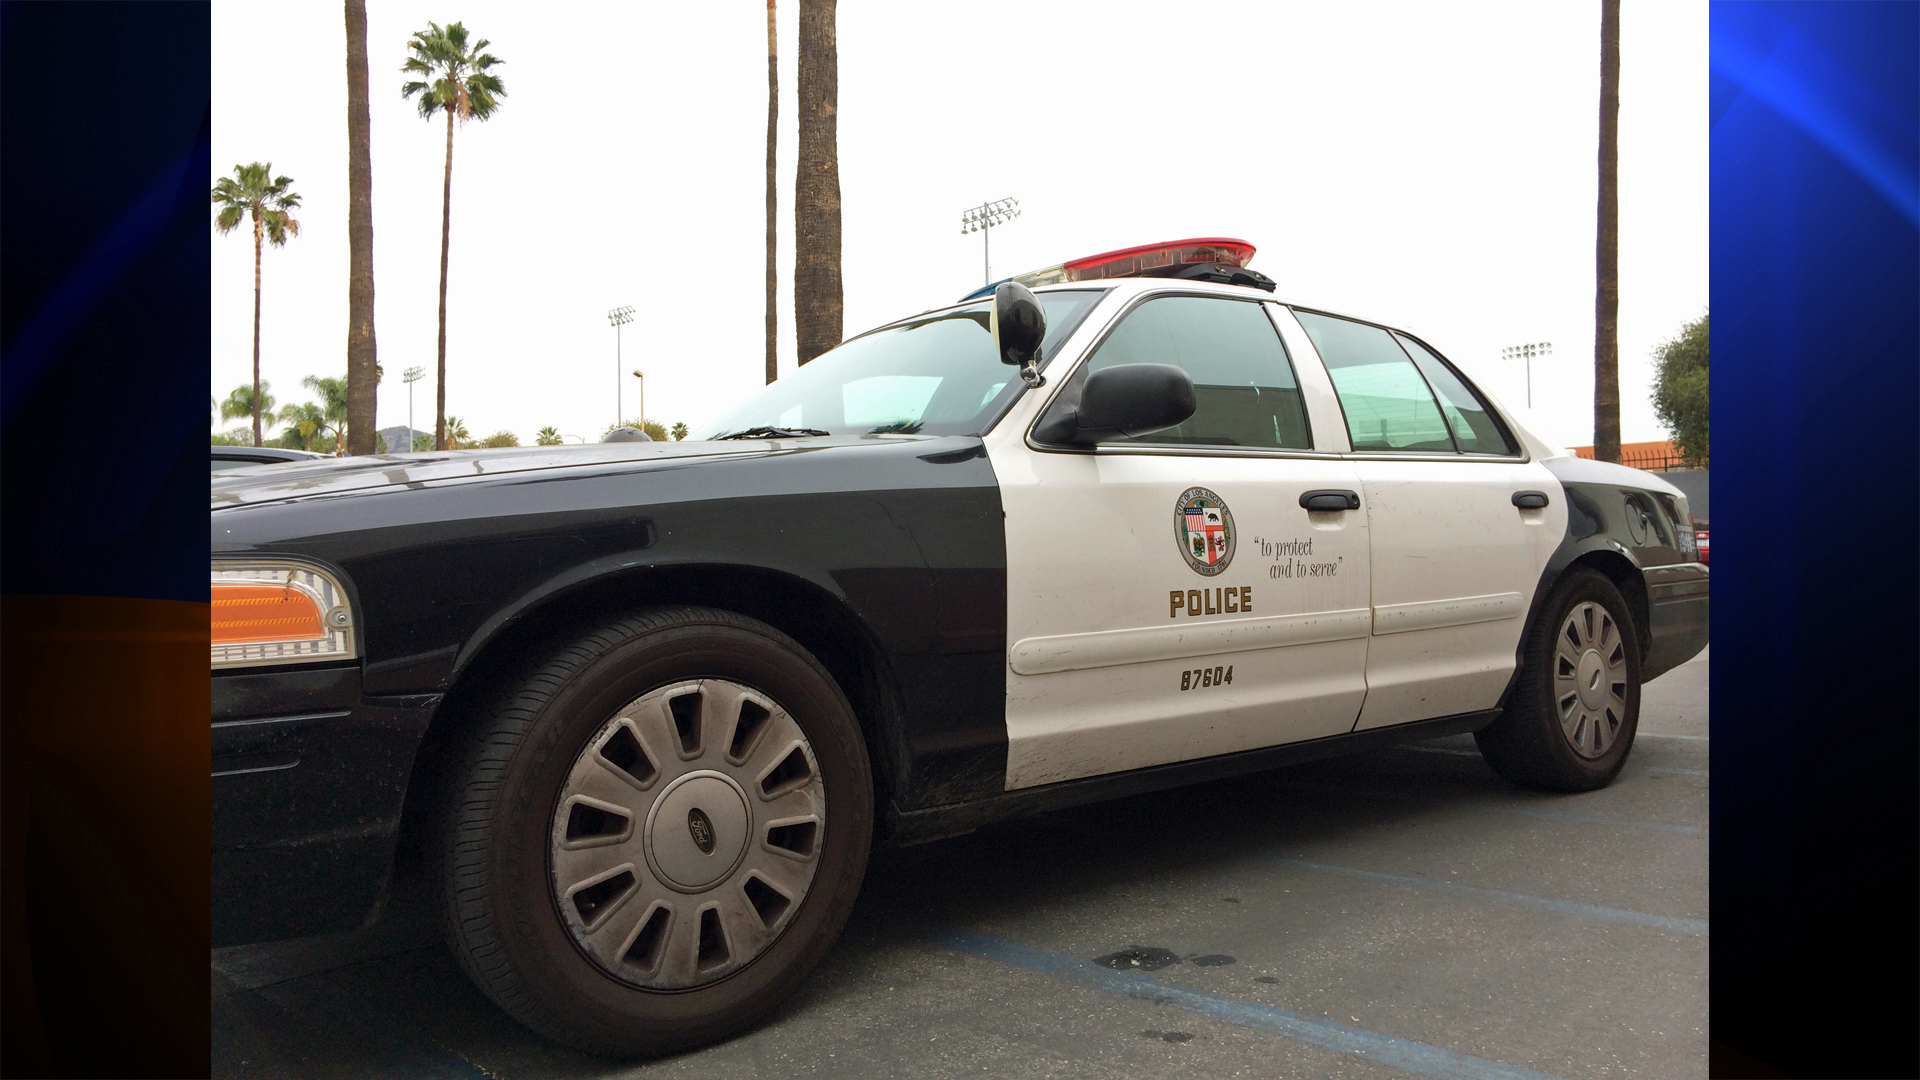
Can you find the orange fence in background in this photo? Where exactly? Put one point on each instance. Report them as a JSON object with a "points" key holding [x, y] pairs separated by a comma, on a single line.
{"points": [[1651, 456]]}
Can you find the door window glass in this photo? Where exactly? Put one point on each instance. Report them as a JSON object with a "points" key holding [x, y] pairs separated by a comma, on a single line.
{"points": [[1474, 425], [1386, 401], [1243, 385]]}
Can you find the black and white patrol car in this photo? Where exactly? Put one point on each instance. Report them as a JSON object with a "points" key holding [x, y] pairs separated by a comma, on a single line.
{"points": [[1126, 523]]}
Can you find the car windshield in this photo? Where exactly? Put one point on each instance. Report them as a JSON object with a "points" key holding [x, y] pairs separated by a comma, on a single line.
{"points": [[932, 375]]}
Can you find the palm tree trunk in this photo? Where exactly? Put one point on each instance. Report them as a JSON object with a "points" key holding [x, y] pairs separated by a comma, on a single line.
{"points": [[1606, 303], [256, 328], [446, 230], [773, 128], [363, 378], [816, 190]]}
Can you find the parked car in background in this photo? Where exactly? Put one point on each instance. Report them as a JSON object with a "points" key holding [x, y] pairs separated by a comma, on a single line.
{"points": [[1700, 538], [236, 457]]}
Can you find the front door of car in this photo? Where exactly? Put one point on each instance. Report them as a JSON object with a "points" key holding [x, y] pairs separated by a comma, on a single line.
{"points": [[1455, 558], [1168, 596]]}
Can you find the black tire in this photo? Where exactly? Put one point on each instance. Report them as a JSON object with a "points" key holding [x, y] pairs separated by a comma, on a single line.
{"points": [[504, 922], [1529, 745]]}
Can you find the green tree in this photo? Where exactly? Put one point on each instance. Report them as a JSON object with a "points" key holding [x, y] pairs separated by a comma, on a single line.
{"points": [[362, 355], [303, 421], [548, 436], [422, 441], [500, 440], [333, 403], [240, 403], [253, 192], [455, 79], [456, 433], [679, 432], [1680, 390]]}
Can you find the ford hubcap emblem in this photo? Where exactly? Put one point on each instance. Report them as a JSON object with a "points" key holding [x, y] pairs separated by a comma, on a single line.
{"points": [[702, 830]]}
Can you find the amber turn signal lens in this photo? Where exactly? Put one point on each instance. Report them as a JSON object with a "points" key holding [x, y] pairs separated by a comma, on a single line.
{"points": [[246, 611]]}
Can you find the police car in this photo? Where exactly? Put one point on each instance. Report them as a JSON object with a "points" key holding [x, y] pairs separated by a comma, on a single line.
{"points": [[1125, 523]]}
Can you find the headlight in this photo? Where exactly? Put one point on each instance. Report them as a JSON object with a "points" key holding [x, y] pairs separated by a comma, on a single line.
{"points": [[279, 613]]}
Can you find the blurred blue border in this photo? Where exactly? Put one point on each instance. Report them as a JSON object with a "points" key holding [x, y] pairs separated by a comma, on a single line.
{"points": [[1815, 225], [104, 331]]}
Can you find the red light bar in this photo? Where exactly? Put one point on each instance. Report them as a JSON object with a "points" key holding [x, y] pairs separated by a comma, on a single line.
{"points": [[1148, 260]]}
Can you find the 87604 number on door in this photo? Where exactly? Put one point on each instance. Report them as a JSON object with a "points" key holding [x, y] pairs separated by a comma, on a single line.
{"points": [[1203, 678]]}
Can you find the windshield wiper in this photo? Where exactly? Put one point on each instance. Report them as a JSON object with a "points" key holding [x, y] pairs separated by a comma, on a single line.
{"points": [[772, 433]]}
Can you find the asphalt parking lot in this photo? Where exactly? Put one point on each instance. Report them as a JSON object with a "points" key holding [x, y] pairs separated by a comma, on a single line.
{"points": [[1399, 913]]}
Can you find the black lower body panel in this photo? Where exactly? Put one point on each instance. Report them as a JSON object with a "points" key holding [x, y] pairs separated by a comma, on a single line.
{"points": [[306, 804], [1676, 625], [906, 827]]}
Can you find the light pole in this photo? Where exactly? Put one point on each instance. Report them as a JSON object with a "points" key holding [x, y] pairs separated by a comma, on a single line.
{"points": [[619, 317], [1526, 353], [982, 219], [643, 399], [410, 376]]}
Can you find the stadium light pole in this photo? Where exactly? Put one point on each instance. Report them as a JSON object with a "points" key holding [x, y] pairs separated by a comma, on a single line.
{"points": [[619, 317], [410, 376], [982, 219], [1526, 353]]}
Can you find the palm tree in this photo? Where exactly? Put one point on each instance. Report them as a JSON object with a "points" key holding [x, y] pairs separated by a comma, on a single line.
{"points": [[362, 356], [240, 403], [773, 130], [1606, 300], [456, 80], [456, 434], [548, 436], [254, 192], [333, 406], [816, 189], [306, 418]]}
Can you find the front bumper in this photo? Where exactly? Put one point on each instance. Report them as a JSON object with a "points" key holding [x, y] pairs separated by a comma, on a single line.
{"points": [[309, 778]]}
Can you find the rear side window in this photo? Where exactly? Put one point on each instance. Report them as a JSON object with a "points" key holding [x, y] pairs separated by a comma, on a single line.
{"points": [[1474, 426], [1243, 385], [1386, 400]]}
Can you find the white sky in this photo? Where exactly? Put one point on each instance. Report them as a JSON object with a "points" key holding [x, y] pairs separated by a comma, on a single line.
{"points": [[1422, 164]]}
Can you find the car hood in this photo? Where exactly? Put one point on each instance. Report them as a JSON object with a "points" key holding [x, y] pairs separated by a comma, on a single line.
{"points": [[333, 477]]}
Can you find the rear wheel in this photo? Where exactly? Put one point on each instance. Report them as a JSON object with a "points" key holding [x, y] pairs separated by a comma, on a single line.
{"points": [[659, 831], [1571, 719]]}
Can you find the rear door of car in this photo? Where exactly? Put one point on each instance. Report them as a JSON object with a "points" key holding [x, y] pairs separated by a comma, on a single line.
{"points": [[1454, 561], [1168, 598]]}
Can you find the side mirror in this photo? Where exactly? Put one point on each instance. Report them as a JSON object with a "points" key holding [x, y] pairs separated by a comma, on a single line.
{"points": [[1018, 325], [1123, 401]]}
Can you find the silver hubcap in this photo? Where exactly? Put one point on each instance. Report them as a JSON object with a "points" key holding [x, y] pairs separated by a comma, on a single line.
{"points": [[1590, 679], [687, 834]]}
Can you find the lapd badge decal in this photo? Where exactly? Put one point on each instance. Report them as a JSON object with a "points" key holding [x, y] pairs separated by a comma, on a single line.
{"points": [[1203, 528]]}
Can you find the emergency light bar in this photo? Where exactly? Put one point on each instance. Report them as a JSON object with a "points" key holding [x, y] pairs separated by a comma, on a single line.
{"points": [[1172, 258]]}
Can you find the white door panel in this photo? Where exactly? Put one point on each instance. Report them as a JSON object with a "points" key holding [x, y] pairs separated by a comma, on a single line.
{"points": [[1098, 643], [1455, 565]]}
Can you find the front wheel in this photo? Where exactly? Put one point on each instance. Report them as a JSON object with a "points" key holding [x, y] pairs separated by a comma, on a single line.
{"points": [[1571, 719], [660, 830]]}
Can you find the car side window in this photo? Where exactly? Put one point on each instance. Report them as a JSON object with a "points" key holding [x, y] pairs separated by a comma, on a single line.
{"points": [[1386, 400], [1244, 389], [1475, 427]]}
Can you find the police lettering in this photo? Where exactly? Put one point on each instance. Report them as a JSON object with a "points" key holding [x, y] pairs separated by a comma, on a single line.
{"points": [[1209, 601]]}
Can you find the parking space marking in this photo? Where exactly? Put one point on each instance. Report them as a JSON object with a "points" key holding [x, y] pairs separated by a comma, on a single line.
{"points": [[1417, 1058], [1665, 771], [1696, 927], [1657, 735], [1469, 804]]}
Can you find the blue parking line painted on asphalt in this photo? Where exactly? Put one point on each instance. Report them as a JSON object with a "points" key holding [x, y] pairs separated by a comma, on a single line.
{"points": [[433, 1064], [1414, 1057], [1565, 907], [1593, 819], [1469, 804]]}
